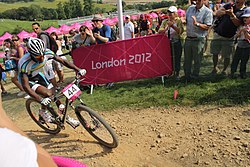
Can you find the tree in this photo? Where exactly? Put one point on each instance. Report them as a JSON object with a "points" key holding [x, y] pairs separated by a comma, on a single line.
{"points": [[60, 11], [78, 10], [67, 10], [35, 12], [182, 2], [49, 14], [88, 7]]}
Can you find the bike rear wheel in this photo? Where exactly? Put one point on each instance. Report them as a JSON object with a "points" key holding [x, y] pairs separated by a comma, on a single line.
{"points": [[33, 108], [96, 126]]}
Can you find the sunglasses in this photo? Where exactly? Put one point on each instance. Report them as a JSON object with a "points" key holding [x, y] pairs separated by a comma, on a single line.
{"points": [[13, 40], [95, 21], [126, 17], [35, 29]]}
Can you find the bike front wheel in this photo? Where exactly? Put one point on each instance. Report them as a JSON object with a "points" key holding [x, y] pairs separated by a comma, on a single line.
{"points": [[33, 108], [97, 126]]}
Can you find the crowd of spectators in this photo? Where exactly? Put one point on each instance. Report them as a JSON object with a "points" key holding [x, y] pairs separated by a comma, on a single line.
{"points": [[224, 23]]}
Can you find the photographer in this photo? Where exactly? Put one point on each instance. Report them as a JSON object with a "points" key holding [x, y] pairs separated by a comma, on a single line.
{"points": [[84, 38], [228, 19]]}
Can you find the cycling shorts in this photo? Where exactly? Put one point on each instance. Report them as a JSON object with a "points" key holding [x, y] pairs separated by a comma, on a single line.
{"points": [[39, 80]]}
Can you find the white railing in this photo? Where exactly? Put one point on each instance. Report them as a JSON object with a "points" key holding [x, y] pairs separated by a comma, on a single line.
{"points": [[88, 18]]}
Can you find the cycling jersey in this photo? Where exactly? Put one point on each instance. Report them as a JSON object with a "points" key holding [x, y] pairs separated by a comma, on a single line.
{"points": [[27, 66], [34, 69]]}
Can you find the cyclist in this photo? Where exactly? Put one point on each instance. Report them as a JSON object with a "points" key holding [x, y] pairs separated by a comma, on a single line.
{"points": [[30, 68]]}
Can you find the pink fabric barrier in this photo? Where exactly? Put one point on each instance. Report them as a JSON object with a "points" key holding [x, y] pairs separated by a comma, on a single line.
{"points": [[143, 57], [67, 162]]}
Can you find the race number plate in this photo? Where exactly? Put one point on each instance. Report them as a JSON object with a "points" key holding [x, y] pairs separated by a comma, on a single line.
{"points": [[71, 91]]}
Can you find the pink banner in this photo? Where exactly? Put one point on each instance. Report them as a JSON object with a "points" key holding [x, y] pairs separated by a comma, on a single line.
{"points": [[143, 57]]}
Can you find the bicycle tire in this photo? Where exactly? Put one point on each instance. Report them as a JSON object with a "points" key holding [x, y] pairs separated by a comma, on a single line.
{"points": [[32, 107], [96, 132]]}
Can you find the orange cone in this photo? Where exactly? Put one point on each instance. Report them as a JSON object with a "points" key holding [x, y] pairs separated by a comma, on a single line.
{"points": [[175, 94]]}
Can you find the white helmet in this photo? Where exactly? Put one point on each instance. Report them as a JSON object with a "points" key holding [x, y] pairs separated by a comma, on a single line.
{"points": [[36, 46]]}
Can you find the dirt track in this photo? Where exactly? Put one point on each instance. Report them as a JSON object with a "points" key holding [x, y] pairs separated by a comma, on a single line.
{"points": [[174, 137]]}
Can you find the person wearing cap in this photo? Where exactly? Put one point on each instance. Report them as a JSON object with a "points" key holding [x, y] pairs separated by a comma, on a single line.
{"points": [[101, 32], [243, 47], [228, 19], [128, 28], [198, 18], [173, 28]]}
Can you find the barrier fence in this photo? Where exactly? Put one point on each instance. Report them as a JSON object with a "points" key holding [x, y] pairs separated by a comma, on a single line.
{"points": [[142, 57]]}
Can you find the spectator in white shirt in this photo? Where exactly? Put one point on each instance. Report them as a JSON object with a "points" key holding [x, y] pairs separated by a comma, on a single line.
{"points": [[128, 28]]}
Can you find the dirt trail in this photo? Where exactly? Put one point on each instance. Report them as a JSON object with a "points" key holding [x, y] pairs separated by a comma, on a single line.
{"points": [[204, 136], [174, 137]]}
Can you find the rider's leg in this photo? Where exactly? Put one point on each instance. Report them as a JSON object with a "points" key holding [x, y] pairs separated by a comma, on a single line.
{"points": [[45, 92]]}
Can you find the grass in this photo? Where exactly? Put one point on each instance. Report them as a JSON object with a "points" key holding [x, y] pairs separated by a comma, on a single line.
{"points": [[151, 93], [8, 25], [207, 90], [215, 90], [41, 3]]}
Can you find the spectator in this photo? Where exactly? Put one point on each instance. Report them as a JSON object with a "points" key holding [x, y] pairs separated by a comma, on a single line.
{"points": [[143, 25], [63, 43], [18, 53], [58, 66], [136, 29], [198, 18], [41, 34], [17, 149], [4, 92], [85, 38], [102, 33], [173, 28], [128, 28], [72, 32], [243, 47], [159, 21], [228, 19], [48, 67], [217, 6]]}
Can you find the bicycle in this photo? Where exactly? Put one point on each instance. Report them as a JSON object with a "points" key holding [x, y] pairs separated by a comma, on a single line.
{"points": [[95, 125]]}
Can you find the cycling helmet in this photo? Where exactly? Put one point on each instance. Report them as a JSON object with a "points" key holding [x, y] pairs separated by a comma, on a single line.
{"points": [[36, 47]]}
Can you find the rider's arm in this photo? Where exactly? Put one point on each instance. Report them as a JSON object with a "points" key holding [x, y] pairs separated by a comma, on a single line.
{"points": [[27, 88]]}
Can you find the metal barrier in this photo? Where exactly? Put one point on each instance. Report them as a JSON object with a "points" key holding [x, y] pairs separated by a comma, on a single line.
{"points": [[88, 18]]}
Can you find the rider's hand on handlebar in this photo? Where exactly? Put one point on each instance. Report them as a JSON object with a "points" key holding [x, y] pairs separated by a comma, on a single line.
{"points": [[46, 101], [82, 72]]}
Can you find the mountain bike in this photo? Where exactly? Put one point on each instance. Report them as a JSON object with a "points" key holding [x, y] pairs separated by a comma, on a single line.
{"points": [[93, 122]]}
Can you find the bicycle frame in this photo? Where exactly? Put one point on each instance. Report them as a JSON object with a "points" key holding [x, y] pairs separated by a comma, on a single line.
{"points": [[57, 96]]}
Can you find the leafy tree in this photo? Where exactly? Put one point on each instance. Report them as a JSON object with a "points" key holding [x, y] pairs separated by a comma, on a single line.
{"points": [[35, 12], [67, 10], [78, 10], [49, 14], [181, 2], [98, 10], [88, 7], [99, 1], [60, 11]]}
